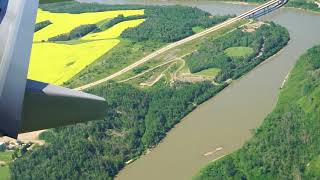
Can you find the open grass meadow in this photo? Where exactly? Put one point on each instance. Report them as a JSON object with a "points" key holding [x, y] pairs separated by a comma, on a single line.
{"points": [[211, 72], [57, 62], [5, 158], [4, 173], [239, 51]]}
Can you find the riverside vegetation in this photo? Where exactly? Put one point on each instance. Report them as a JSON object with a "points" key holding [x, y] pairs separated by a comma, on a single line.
{"points": [[138, 118], [286, 146]]}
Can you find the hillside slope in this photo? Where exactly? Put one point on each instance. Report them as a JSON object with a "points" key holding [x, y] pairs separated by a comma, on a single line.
{"points": [[286, 146]]}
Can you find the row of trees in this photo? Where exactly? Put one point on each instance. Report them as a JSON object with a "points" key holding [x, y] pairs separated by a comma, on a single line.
{"points": [[119, 19], [76, 33], [42, 25], [83, 30], [286, 146], [265, 41]]}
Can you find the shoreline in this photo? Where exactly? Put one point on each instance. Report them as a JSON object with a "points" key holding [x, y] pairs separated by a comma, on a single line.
{"points": [[151, 149]]}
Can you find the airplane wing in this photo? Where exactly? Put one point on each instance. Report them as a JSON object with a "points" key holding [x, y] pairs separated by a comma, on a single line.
{"points": [[27, 105]]}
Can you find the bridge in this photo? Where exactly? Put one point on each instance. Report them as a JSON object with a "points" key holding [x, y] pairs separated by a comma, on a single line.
{"points": [[254, 13]]}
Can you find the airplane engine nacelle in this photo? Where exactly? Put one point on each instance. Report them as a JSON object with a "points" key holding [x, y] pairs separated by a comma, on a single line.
{"points": [[27, 105]]}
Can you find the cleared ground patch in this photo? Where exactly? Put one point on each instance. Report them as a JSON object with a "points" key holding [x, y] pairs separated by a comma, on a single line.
{"points": [[239, 51], [64, 22], [211, 72], [58, 62], [197, 29]]}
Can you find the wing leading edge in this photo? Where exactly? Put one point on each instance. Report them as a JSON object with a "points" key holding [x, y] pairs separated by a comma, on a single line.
{"points": [[27, 105]]}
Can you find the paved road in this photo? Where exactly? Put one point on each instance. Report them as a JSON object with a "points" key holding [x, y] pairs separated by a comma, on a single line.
{"points": [[178, 43]]}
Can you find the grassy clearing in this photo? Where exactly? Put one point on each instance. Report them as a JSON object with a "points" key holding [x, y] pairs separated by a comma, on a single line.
{"points": [[6, 156], [4, 172], [197, 29], [4, 169], [212, 72], [314, 167], [64, 22], [239, 51], [58, 62]]}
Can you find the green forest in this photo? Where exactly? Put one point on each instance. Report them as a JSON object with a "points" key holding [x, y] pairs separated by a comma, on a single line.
{"points": [[286, 146], [135, 118], [265, 41], [171, 23]]}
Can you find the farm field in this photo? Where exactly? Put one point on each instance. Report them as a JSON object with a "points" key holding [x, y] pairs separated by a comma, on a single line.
{"points": [[57, 62], [115, 31], [65, 22]]}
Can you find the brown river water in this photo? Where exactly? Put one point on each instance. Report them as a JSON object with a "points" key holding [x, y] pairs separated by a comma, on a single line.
{"points": [[226, 120]]}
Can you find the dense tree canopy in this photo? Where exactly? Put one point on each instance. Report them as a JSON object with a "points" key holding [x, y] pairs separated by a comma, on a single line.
{"points": [[76, 33], [134, 120], [172, 23]]}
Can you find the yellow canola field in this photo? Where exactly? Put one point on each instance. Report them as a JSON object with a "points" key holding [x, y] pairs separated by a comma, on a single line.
{"points": [[115, 31], [65, 22], [57, 63]]}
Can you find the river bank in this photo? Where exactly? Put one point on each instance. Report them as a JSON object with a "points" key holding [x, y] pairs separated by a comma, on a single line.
{"points": [[208, 126]]}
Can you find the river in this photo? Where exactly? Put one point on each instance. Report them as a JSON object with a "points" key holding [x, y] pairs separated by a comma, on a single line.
{"points": [[226, 120]]}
